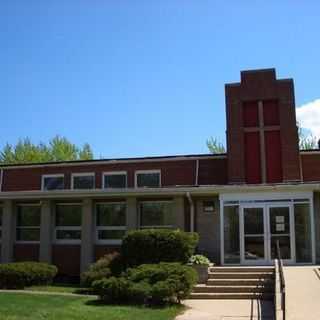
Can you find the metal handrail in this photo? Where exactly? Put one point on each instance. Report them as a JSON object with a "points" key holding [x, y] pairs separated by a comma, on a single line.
{"points": [[282, 281]]}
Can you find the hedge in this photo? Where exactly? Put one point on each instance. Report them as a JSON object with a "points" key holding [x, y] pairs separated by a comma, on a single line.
{"points": [[152, 284], [154, 246], [22, 274]]}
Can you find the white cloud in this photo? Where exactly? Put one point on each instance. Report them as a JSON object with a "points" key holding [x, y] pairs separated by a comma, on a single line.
{"points": [[308, 116]]}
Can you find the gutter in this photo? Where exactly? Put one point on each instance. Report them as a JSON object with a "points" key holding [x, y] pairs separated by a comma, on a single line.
{"points": [[164, 191], [191, 211]]}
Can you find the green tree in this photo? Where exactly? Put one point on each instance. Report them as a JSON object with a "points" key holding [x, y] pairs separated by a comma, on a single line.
{"points": [[215, 146], [58, 149], [306, 141]]}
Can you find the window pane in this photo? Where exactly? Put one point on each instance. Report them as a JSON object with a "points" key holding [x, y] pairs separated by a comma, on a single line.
{"points": [[83, 182], [111, 234], [68, 215], [28, 216], [53, 183], [148, 179], [254, 248], [26, 234], [156, 214], [231, 235], [115, 181], [303, 232], [68, 234], [253, 221], [111, 214]]}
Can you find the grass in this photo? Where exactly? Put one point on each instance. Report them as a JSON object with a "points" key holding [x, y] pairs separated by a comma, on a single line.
{"points": [[57, 287], [39, 307]]}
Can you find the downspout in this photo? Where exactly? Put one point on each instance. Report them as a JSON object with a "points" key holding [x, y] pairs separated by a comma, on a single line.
{"points": [[197, 172], [1, 179], [191, 212]]}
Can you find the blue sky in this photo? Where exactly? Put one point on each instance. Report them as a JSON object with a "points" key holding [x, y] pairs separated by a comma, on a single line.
{"points": [[135, 78]]}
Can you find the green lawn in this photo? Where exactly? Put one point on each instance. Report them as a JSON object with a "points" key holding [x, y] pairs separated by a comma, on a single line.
{"points": [[43, 307], [59, 288]]}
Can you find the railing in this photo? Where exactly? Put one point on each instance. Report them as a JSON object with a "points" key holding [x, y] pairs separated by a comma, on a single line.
{"points": [[282, 281]]}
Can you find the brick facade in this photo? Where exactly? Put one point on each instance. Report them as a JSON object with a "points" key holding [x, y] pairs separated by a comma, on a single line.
{"points": [[262, 148]]}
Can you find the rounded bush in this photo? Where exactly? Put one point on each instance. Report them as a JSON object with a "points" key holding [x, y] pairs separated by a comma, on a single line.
{"points": [[148, 284], [154, 246], [21, 274]]}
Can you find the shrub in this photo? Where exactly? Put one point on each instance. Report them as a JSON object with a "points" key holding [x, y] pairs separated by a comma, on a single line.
{"points": [[154, 246], [97, 271], [199, 259], [112, 290], [21, 274], [149, 284]]}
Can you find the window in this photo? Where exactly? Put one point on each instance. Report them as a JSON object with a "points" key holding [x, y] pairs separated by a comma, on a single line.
{"points": [[1, 214], [156, 214], [151, 179], [111, 221], [82, 181], [28, 223], [68, 218], [115, 179], [53, 182]]}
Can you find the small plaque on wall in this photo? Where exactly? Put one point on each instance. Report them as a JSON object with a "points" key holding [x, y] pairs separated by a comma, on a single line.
{"points": [[209, 207]]}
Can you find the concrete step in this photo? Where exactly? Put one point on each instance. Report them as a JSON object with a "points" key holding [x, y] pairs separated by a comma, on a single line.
{"points": [[233, 289], [262, 296], [240, 282], [240, 275], [241, 269]]}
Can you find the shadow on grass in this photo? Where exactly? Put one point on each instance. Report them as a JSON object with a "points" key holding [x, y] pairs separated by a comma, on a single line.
{"points": [[101, 303]]}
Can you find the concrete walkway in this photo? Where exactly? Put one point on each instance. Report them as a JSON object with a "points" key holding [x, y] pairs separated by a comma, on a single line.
{"points": [[302, 293], [228, 310]]}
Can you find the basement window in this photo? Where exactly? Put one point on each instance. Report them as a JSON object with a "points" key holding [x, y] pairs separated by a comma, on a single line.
{"points": [[148, 179], [111, 222], [28, 223], [68, 217]]}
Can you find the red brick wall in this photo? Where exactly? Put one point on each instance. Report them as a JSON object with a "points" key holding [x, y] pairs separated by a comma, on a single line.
{"points": [[261, 85], [26, 252], [310, 166], [211, 171], [67, 259]]}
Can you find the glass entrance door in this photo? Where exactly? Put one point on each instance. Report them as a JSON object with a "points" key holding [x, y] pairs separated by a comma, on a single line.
{"points": [[253, 244], [280, 226], [261, 226]]}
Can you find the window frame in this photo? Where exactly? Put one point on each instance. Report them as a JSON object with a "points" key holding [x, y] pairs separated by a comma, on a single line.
{"points": [[112, 173], [146, 172], [172, 226], [28, 227], [83, 174], [58, 175], [102, 228], [72, 228]]}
